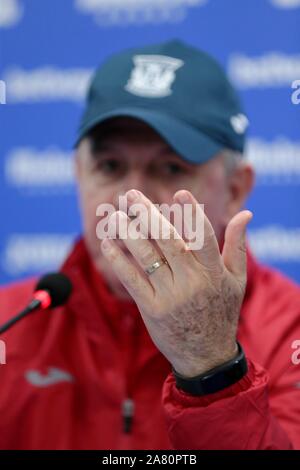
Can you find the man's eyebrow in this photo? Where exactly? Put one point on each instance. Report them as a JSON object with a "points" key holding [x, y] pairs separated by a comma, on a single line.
{"points": [[101, 144], [168, 149]]}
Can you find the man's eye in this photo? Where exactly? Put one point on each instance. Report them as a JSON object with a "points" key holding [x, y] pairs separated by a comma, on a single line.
{"points": [[109, 166], [173, 168]]}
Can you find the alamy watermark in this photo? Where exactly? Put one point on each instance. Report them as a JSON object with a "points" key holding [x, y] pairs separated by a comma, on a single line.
{"points": [[2, 352], [296, 94], [295, 358], [2, 92], [143, 223]]}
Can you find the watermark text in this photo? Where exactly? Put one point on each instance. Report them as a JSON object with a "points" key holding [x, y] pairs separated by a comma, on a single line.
{"points": [[2, 352], [162, 221]]}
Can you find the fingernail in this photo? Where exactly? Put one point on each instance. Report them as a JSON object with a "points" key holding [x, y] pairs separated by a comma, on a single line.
{"points": [[132, 195], [183, 197]]}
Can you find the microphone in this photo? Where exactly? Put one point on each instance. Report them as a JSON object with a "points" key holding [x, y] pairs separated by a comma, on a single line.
{"points": [[52, 290]]}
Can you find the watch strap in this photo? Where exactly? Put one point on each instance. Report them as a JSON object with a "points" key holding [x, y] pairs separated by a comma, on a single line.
{"points": [[216, 379]]}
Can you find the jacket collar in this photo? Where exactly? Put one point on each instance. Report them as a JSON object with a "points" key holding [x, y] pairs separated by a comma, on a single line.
{"points": [[91, 297]]}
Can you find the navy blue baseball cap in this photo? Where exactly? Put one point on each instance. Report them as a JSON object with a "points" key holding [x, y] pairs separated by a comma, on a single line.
{"points": [[178, 90]]}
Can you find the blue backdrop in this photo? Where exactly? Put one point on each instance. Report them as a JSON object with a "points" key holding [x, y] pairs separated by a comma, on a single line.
{"points": [[48, 49]]}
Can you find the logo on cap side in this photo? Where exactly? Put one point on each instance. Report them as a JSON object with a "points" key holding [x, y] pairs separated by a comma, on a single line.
{"points": [[152, 75], [239, 123]]}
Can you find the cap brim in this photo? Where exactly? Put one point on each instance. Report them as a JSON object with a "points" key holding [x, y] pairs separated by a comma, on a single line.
{"points": [[193, 145]]}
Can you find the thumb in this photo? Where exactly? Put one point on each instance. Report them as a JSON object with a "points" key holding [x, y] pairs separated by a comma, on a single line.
{"points": [[234, 249]]}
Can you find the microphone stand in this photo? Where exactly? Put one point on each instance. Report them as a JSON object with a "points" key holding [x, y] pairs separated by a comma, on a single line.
{"points": [[34, 305]]}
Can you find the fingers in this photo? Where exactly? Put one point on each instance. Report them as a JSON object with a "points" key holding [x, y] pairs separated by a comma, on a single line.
{"points": [[138, 286], [142, 249], [199, 228], [174, 248], [156, 226], [234, 250]]}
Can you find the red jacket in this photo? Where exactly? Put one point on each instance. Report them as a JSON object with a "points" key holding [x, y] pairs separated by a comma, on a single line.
{"points": [[68, 373]]}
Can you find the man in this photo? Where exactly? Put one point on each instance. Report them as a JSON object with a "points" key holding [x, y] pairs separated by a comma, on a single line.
{"points": [[159, 346]]}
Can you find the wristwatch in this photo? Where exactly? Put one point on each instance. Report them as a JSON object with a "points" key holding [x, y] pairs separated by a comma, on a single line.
{"points": [[216, 379]]}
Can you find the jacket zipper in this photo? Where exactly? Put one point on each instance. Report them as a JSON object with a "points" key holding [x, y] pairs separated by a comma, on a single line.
{"points": [[130, 337], [127, 414]]}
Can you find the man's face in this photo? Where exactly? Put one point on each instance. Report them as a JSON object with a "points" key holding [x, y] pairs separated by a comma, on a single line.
{"points": [[128, 154]]}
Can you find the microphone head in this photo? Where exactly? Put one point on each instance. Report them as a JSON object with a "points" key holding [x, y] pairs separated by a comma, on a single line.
{"points": [[58, 285]]}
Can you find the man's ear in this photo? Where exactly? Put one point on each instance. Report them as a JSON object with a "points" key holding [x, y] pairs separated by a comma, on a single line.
{"points": [[240, 183], [76, 164], [79, 156]]}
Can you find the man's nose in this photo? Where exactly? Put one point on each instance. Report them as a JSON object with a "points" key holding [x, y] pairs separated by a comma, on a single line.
{"points": [[137, 180]]}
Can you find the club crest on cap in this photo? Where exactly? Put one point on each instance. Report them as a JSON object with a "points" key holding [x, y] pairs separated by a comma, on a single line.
{"points": [[152, 75]]}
